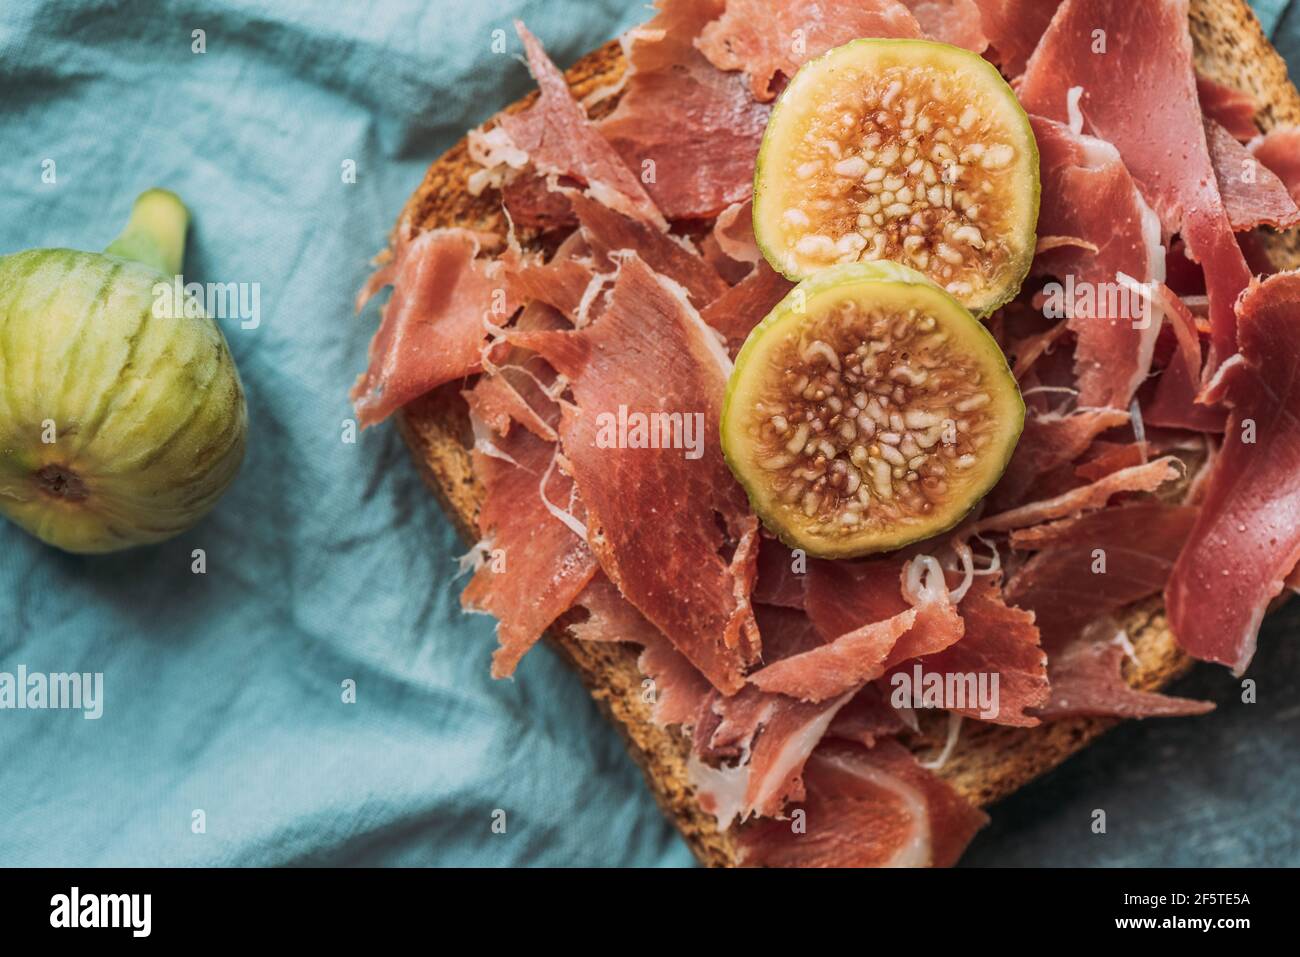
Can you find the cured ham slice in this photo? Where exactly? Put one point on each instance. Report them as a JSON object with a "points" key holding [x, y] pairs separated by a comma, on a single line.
{"points": [[1252, 194], [649, 352], [678, 688], [779, 583], [1050, 441], [734, 232], [434, 325], [609, 231], [1088, 194], [561, 283], [767, 40], [1279, 150], [1173, 404], [743, 306], [1088, 681], [843, 597], [786, 632], [559, 139], [1094, 565], [1227, 106], [1013, 29], [1247, 539], [1110, 457], [776, 735], [957, 22], [730, 270], [840, 666], [867, 808], [532, 204], [1147, 54], [535, 566], [1027, 350], [692, 129], [867, 718], [517, 385], [1139, 478], [513, 396], [998, 640], [767, 736]]}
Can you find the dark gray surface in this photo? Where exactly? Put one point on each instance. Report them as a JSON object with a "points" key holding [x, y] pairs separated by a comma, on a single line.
{"points": [[1216, 790]]}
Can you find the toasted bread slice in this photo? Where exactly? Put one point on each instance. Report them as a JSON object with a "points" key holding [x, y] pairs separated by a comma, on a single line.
{"points": [[989, 761]]}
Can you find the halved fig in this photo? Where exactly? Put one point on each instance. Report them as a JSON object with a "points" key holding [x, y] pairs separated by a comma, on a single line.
{"points": [[867, 411], [904, 150]]}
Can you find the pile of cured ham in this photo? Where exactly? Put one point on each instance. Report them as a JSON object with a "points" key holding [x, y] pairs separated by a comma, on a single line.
{"points": [[1172, 448]]}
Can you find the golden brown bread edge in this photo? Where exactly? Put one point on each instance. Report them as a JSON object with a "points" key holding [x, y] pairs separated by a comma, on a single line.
{"points": [[989, 761]]}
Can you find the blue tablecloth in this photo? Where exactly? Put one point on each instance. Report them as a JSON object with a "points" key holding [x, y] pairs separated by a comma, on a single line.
{"points": [[327, 561]]}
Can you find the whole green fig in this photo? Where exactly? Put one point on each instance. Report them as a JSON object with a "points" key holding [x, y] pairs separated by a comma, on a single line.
{"points": [[121, 423]]}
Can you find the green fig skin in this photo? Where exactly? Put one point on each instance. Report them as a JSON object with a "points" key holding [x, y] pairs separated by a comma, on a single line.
{"points": [[885, 283], [118, 426]]}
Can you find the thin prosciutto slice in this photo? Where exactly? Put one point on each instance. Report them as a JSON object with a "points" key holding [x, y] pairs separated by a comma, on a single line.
{"points": [[610, 232], [517, 385], [1227, 106], [561, 283], [1088, 681], [738, 310], [678, 688], [1047, 442], [1089, 195], [867, 808], [1279, 150], [1088, 567], [1139, 478], [734, 233], [435, 323], [1139, 93], [842, 598], [1174, 402], [867, 718], [780, 575], [1253, 195], [559, 139], [1110, 457], [758, 741], [766, 39], [653, 513], [1013, 29], [534, 564], [997, 639], [776, 734], [1247, 539], [840, 666], [514, 395], [690, 130], [951, 21]]}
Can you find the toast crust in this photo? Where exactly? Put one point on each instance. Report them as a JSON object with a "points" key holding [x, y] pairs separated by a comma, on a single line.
{"points": [[990, 761]]}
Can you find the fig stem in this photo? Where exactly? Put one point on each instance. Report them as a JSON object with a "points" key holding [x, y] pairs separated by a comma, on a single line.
{"points": [[155, 233]]}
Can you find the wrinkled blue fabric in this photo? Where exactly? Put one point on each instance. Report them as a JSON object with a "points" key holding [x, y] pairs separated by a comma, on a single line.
{"points": [[326, 561]]}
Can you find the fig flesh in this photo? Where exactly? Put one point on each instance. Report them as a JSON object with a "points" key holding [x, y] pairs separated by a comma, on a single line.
{"points": [[119, 425], [910, 151], [869, 410]]}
